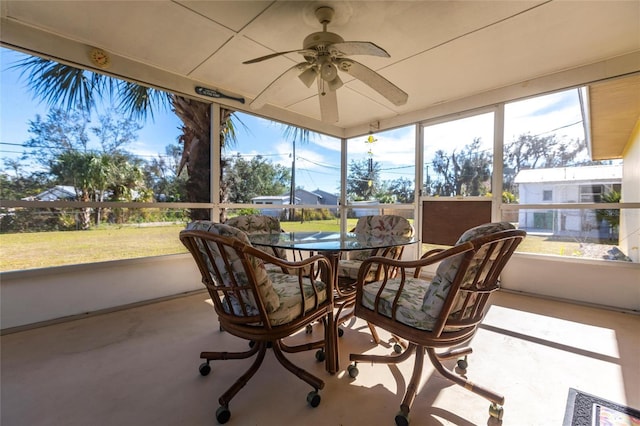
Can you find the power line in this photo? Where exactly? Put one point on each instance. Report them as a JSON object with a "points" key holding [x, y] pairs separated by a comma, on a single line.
{"points": [[559, 128], [329, 166]]}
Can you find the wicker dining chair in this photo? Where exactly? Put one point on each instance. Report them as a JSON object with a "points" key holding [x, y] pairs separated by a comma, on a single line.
{"points": [[260, 224], [378, 226], [262, 307], [348, 267], [441, 313]]}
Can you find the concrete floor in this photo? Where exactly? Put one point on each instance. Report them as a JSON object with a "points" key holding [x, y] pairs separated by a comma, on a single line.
{"points": [[140, 367]]}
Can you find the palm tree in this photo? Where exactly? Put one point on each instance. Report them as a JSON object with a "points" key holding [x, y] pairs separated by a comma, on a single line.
{"points": [[75, 168], [65, 86]]}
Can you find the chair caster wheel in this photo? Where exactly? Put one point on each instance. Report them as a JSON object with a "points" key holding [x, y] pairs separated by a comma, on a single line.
{"points": [[340, 332], [204, 369], [462, 363], [313, 398], [308, 329], [223, 414], [320, 355], [402, 419], [496, 411], [353, 371], [397, 348]]}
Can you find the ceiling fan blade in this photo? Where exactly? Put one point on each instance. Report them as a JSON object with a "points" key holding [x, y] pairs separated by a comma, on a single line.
{"points": [[348, 48], [277, 84], [305, 52], [328, 102], [393, 93]]}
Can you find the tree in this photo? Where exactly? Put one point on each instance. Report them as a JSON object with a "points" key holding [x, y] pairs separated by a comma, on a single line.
{"points": [[403, 190], [461, 173], [22, 184], [77, 169], [363, 180], [60, 143], [531, 152], [63, 85], [114, 134], [248, 179], [59, 132], [160, 174], [611, 216], [475, 169]]}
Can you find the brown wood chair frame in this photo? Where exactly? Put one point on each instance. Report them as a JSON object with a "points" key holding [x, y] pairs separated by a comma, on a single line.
{"points": [[481, 261], [256, 327]]}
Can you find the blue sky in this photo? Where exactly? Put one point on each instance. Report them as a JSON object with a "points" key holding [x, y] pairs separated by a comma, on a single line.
{"points": [[318, 162]]}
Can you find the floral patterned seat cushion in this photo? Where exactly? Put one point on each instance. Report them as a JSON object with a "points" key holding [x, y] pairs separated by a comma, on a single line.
{"points": [[265, 287], [349, 268], [260, 224], [446, 272], [288, 291], [377, 226], [409, 311]]}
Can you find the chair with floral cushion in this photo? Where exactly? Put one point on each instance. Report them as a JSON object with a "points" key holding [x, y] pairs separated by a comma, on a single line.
{"points": [[260, 224], [262, 307], [263, 224], [375, 225], [440, 313], [347, 270]]}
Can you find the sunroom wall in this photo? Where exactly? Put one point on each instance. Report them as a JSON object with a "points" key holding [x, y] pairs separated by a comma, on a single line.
{"points": [[630, 221]]}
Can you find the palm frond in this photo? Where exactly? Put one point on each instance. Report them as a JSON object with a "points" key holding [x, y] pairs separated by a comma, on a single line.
{"points": [[230, 122], [140, 100], [60, 85]]}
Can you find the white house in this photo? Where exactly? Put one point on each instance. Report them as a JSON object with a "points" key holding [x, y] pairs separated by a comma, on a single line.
{"points": [[58, 192], [565, 185]]}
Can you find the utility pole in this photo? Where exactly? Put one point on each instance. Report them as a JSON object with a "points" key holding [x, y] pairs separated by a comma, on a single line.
{"points": [[292, 193]]}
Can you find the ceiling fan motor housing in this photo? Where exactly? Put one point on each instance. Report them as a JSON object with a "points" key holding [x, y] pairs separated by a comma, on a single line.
{"points": [[321, 40]]}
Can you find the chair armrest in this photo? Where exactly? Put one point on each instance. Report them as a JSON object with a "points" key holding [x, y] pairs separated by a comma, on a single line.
{"points": [[387, 266], [314, 266]]}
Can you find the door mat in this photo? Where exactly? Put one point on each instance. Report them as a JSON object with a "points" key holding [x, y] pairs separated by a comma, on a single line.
{"points": [[584, 409]]}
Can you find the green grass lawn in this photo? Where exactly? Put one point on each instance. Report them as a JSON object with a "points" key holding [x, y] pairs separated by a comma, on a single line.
{"points": [[45, 249]]}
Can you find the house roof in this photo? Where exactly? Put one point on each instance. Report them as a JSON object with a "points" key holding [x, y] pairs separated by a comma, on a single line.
{"points": [[449, 56], [572, 174], [58, 192], [272, 198]]}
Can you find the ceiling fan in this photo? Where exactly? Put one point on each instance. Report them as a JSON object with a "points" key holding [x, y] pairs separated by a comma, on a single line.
{"points": [[325, 54]]}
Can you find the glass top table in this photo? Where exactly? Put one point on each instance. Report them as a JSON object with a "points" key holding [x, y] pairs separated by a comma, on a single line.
{"points": [[328, 242]]}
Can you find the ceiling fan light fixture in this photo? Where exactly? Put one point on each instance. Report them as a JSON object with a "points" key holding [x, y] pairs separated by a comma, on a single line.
{"points": [[328, 71], [308, 76], [335, 84]]}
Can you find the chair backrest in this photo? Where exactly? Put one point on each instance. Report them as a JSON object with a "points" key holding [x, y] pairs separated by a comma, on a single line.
{"points": [[259, 224], [255, 223], [381, 225], [235, 278], [460, 290]]}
